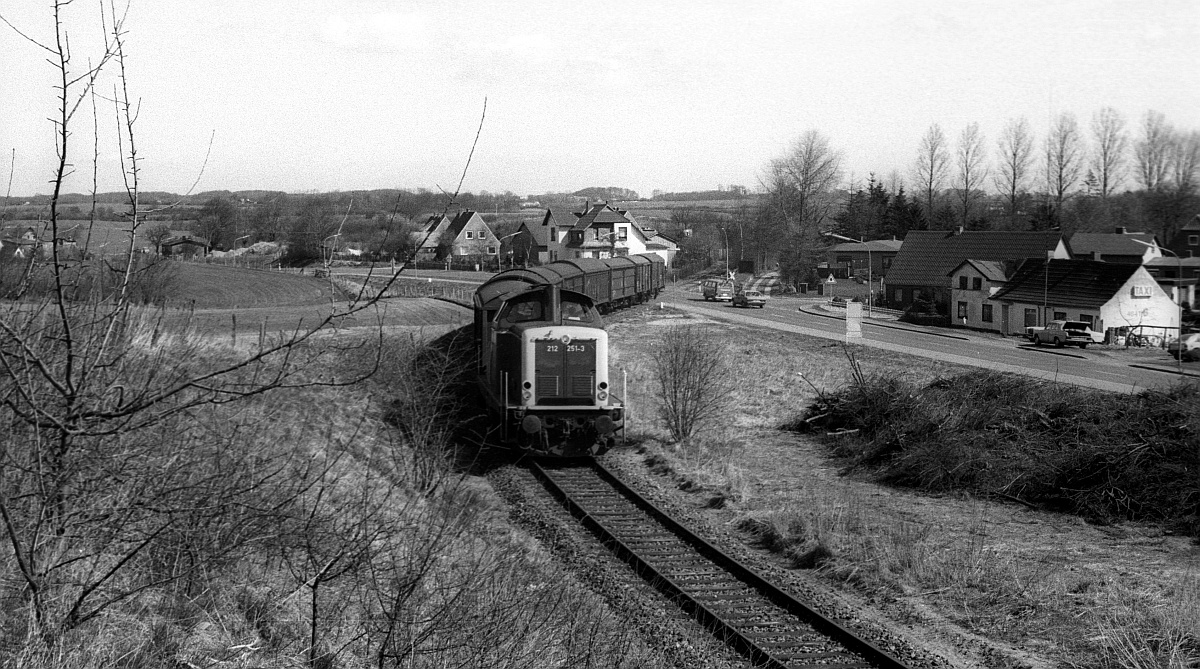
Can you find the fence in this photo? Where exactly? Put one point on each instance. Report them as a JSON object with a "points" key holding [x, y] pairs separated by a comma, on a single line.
{"points": [[401, 288]]}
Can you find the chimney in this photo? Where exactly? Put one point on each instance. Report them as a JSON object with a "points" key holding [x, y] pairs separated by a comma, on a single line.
{"points": [[1121, 230], [1095, 255]]}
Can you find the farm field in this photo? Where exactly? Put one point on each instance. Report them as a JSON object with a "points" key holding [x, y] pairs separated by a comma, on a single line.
{"points": [[237, 302]]}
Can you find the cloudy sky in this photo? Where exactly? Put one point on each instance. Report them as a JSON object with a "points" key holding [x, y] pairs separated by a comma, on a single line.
{"points": [[301, 95]]}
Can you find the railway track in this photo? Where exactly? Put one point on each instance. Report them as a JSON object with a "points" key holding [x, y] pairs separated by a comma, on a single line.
{"points": [[762, 622]]}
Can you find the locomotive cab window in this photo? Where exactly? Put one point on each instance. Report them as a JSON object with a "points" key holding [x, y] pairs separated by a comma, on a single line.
{"points": [[523, 310], [575, 311]]}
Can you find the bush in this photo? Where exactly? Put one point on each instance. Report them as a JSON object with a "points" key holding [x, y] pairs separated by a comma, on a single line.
{"points": [[695, 379], [1101, 455]]}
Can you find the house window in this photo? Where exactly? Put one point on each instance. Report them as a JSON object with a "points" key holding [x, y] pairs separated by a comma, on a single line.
{"points": [[623, 234], [899, 295], [962, 283], [1087, 318], [986, 314], [977, 283], [1060, 315], [1193, 240], [470, 235], [962, 311], [491, 250], [1031, 317]]}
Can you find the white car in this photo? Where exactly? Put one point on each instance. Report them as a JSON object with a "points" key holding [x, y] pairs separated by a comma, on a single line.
{"points": [[1188, 346]]}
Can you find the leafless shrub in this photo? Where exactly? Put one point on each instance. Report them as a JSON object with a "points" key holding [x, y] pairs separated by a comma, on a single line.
{"points": [[695, 380]]}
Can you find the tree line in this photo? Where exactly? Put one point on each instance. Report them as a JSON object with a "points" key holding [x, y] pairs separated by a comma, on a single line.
{"points": [[1076, 178]]}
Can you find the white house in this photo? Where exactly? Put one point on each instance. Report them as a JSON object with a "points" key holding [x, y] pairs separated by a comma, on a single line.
{"points": [[1106, 295]]}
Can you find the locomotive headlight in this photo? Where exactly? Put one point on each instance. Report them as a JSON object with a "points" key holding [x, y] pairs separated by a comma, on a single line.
{"points": [[566, 339], [526, 394], [601, 395]]}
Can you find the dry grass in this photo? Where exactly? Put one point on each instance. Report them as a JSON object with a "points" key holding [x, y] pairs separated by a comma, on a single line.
{"points": [[400, 564], [1046, 589]]}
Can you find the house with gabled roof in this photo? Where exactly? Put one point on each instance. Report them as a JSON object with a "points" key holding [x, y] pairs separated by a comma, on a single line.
{"points": [[924, 264], [974, 282], [603, 232], [1106, 295], [466, 236], [544, 239], [1120, 246]]}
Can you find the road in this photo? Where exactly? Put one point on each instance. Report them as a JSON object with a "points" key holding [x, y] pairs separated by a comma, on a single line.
{"points": [[1104, 368]]}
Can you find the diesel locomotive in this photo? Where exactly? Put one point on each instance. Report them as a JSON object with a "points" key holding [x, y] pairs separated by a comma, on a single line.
{"points": [[542, 350]]}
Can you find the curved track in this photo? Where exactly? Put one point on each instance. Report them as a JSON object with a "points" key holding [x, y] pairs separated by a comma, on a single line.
{"points": [[759, 620]]}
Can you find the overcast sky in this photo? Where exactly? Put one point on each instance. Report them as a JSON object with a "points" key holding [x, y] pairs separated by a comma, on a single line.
{"points": [[303, 95]]}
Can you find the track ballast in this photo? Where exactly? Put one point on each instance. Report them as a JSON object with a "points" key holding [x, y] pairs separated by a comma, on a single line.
{"points": [[756, 618]]}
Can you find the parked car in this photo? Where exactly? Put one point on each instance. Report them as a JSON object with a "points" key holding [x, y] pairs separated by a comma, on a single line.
{"points": [[1062, 333], [1187, 346], [749, 298]]}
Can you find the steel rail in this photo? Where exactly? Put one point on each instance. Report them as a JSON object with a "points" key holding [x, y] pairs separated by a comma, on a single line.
{"points": [[740, 631]]}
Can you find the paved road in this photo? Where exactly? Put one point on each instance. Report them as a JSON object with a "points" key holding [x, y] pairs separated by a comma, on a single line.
{"points": [[1095, 367]]}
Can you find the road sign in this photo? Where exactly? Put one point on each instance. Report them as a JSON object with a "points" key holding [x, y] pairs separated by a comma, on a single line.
{"points": [[831, 279]]}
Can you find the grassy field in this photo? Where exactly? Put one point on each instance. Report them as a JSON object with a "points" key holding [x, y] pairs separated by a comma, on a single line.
{"points": [[981, 579]]}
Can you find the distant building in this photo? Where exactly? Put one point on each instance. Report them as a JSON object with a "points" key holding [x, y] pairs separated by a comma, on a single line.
{"points": [[466, 236], [1121, 246], [185, 246], [922, 269], [852, 257]]}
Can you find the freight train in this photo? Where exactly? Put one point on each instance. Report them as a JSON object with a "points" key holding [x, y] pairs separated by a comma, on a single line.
{"points": [[542, 351]]}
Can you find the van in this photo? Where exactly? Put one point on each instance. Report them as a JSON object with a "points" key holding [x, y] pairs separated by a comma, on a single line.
{"points": [[719, 290]]}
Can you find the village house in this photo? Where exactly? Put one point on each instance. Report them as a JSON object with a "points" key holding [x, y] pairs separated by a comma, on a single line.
{"points": [[852, 258], [1137, 248], [603, 232], [1105, 295], [466, 237], [974, 283], [923, 266]]}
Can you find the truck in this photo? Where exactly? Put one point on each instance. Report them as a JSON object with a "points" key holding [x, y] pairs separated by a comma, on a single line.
{"points": [[1061, 333]]}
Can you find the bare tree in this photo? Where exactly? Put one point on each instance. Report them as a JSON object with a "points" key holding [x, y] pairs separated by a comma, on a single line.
{"points": [[1108, 154], [971, 161], [1153, 151], [695, 380], [83, 376], [1184, 161], [800, 197], [1064, 157], [933, 163], [803, 179], [1014, 161]]}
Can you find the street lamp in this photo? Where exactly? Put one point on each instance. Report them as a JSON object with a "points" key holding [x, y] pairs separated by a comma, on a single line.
{"points": [[1178, 293], [870, 284], [726, 234]]}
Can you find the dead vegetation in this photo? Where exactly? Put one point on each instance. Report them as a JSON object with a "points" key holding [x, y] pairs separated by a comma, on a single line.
{"points": [[1103, 456]]}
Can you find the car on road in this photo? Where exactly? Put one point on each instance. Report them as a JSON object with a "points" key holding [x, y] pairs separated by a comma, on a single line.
{"points": [[749, 298], [1062, 333], [720, 290], [1187, 346]]}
